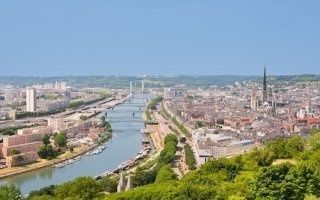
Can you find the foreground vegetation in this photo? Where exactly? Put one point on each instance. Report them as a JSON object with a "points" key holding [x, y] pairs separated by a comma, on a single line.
{"points": [[251, 176], [284, 169]]}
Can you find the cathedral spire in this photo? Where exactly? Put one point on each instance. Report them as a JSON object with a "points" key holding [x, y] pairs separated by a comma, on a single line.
{"points": [[265, 78], [265, 92]]}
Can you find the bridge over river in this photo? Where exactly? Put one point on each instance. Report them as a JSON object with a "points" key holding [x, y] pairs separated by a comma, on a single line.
{"points": [[125, 144]]}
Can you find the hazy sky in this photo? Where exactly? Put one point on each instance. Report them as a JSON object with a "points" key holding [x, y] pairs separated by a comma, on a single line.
{"points": [[136, 37]]}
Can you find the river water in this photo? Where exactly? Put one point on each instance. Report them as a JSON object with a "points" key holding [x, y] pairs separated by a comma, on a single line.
{"points": [[124, 145]]}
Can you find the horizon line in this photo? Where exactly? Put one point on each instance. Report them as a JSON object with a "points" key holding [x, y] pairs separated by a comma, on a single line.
{"points": [[159, 75]]}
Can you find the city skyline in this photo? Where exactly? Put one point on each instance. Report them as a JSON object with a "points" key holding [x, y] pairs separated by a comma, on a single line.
{"points": [[159, 99]]}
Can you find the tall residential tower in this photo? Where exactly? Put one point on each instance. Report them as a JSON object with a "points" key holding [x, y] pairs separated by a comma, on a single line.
{"points": [[31, 96]]}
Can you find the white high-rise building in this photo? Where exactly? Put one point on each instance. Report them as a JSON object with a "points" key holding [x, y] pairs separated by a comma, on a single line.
{"points": [[31, 98], [142, 86]]}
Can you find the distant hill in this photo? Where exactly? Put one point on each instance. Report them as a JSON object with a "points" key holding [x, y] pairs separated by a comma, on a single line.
{"points": [[151, 81]]}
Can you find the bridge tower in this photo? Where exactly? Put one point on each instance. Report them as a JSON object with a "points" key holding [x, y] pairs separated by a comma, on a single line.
{"points": [[131, 88], [142, 86]]}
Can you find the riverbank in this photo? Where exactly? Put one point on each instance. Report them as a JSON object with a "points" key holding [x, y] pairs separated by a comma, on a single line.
{"points": [[124, 146], [7, 172], [149, 152], [42, 163]]}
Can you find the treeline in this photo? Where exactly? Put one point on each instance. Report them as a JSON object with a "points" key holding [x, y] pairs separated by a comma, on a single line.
{"points": [[190, 159], [37, 114], [123, 81], [152, 106], [169, 150], [148, 115], [180, 126], [77, 104], [152, 81], [154, 102], [165, 112], [13, 130]]}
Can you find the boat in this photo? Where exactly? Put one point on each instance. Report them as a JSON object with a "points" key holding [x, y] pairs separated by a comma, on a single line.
{"points": [[144, 131]]}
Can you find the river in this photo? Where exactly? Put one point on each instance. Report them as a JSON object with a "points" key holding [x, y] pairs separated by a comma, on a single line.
{"points": [[125, 144]]}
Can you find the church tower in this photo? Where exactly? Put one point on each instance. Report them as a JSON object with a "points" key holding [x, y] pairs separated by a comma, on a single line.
{"points": [[253, 98], [265, 92]]}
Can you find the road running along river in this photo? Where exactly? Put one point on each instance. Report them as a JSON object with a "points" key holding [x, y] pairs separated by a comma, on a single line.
{"points": [[124, 145]]}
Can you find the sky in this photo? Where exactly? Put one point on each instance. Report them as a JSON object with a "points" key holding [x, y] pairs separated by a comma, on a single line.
{"points": [[164, 37]]}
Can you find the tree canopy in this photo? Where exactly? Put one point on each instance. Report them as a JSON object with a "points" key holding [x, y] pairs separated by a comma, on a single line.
{"points": [[10, 192], [60, 139], [46, 139], [165, 174]]}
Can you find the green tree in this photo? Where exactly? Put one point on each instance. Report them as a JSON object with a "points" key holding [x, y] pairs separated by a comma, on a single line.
{"points": [[314, 131], [42, 152], [47, 152], [46, 139], [314, 141], [51, 152], [295, 145], [143, 177], [60, 139], [84, 188], [277, 182], [263, 157], [165, 174], [308, 178], [190, 159], [171, 138], [286, 148], [10, 193], [8, 131], [109, 184], [43, 193]]}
